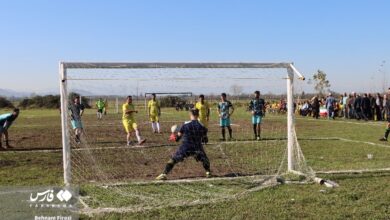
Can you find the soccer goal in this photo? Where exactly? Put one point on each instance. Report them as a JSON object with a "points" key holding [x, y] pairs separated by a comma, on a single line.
{"points": [[100, 153]]}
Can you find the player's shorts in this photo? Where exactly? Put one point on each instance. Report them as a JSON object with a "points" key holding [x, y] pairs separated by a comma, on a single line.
{"points": [[257, 119], [76, 124], [204, 122], [153, 118], [129, 125], [183, 153], [224, 122], [100, 110]]}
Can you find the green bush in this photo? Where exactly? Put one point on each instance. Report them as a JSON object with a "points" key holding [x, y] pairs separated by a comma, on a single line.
{"points": [[5, 103]]}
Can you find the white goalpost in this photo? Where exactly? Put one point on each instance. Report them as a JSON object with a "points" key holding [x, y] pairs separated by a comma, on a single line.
{"points": [[294, 155]]}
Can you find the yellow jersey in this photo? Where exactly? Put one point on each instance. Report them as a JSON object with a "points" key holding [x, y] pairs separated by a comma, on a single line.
{"points": [[203, 109], [153, 106], [127, 107]]}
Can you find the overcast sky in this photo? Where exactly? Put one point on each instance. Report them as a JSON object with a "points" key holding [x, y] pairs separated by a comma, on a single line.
{"points": [[349, 40]]}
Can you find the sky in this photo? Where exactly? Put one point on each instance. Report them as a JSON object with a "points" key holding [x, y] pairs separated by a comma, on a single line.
{"points": [[349, 40]]}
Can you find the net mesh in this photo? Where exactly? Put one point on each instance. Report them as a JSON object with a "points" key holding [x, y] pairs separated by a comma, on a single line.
{"points": [[102, 156]]}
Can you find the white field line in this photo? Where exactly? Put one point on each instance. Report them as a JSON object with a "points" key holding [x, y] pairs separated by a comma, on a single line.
{"points": [[353, 171], [191, 180]]}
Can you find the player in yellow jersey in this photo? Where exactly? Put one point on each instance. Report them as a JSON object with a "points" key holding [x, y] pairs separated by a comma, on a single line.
{"points": [[154, 113], [204, 113], [129, 122]]}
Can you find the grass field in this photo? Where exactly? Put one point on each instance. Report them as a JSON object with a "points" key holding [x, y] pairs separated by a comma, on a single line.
{"points": [[327, 145]]}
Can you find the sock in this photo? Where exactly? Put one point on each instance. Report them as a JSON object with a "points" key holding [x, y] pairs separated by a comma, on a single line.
{"points": [[223, 132], [137, 135], [154, 126], [171, 163], [230, 132], [255, 130], [158, 126], [387, 133]]}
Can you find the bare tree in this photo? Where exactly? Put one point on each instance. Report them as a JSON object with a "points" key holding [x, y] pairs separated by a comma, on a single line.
{"points": [[236, 90], [321, 84]]}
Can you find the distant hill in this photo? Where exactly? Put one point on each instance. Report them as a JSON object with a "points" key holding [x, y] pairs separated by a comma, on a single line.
{"points": [[17, 94]]}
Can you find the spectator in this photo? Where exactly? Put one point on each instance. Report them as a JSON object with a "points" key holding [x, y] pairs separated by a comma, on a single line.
{"points": [[315, 103], [366, 106], [378, 107], [330, 106]]}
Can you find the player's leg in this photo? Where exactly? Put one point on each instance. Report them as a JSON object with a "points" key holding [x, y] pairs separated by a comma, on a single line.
{"points": [[258, 125], [229, 128], [222, 126], [128, 130], [202, 157], [177, 157], [158, 124], [1, 137], [138, 134], [254, 124], [6, 139], [387, 132]]}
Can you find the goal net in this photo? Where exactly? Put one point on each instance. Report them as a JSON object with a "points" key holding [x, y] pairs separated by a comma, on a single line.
{"points": [[100, 154]]}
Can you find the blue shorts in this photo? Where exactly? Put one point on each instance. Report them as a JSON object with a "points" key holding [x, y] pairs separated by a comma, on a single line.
{"points": [[184, 152], [76, 124], [224, 122], [256, 119]]}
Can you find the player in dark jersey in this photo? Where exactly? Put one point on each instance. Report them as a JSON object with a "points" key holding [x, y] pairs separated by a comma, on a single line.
{"points": [[192, 134], [387, 109], [257, 108], [6, 121], [77, 110], [224, 113]]}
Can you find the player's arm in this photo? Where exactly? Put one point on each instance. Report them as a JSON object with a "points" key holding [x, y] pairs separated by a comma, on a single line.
{"points": [[208, 113], [149, 107], [232, 109], [158, 109], [82, 110]]}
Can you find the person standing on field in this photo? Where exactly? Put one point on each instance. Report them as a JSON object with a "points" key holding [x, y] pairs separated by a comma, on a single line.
{"points": [[225, 110], [6, 121], [154, 113], [330, 103], [387, 107], [100, 106], [257, 108], [204, 114], [77, 110], [129, 123]]}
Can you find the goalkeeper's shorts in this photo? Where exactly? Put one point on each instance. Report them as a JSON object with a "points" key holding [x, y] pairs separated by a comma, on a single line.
{"points": [[257, 119], [129, 125], [224, 122], [183, 153], [153, 118]]}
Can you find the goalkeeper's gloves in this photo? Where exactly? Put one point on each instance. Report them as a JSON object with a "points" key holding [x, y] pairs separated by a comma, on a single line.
{"points": [[174, 137]]}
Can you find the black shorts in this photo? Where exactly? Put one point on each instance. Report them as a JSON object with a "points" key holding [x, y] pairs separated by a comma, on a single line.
{"points": [[183, 153], [100, 110]]}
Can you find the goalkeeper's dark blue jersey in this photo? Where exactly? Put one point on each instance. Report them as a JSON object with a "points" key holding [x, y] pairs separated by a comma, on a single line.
{"points": [[257, 105], [193, 132]]}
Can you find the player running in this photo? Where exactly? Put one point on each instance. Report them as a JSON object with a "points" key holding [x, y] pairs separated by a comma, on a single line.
{"points": [[204, 114], [154, 113], [257, 108], [77, 110], [192, 133], [224, 113], [387, 109], [129, 122], [6, 121], [100, 105]]}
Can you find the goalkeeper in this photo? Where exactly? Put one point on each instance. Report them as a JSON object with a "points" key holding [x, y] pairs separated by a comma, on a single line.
{"points": [[192, 133], [100, 105]]}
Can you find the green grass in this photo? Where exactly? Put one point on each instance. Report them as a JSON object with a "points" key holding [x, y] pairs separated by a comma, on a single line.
{"points": [[360, 196]]}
